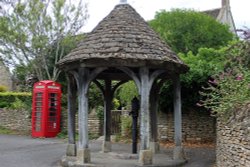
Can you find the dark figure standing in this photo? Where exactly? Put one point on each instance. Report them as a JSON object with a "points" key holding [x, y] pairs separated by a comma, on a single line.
{"points": [[135, 106]]}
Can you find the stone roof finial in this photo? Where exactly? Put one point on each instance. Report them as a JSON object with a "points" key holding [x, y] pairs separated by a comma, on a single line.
{"points": [[123, 1]]}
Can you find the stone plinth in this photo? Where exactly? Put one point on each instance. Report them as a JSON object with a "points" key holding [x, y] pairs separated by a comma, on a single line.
{"points": [[71, 150], [179, 153], [106, 146], [146, 157], [83, 156], [155, 147]]}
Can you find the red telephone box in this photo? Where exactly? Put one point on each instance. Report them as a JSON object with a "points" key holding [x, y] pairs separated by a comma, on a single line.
{"points": [[46, 109]]}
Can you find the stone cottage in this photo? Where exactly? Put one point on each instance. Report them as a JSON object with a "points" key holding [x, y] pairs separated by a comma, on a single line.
{"points": [[223, 15], [5, 76]]}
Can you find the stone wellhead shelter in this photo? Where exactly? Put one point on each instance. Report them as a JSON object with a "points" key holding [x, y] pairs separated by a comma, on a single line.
{"points": [[122, 47]]}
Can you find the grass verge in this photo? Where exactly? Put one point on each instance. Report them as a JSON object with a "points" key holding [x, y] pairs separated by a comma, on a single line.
{"points": [[6, 131]]}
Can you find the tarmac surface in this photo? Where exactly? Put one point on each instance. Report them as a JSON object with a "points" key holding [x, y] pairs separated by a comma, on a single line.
{"points": [[24, 151]]}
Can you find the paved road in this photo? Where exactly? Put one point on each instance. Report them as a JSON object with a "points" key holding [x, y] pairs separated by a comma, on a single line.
{"points": [[200, 157], [23, 151]]}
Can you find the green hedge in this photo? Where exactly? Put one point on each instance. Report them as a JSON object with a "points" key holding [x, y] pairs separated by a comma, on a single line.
{"points": [[15, 100]]}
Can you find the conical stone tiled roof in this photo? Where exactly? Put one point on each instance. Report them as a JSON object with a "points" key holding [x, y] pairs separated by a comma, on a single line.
{"points": [[123, 35]]}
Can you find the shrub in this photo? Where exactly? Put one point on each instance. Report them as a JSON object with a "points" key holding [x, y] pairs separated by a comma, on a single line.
{"points": [[229, 89], [3, 104], [18, 104], [16, 100], [3, 88], [100, 112], [126, 126], [115, 103], [126, 93]]}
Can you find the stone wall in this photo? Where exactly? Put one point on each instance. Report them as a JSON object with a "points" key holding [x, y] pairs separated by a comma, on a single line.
{"points": [[18, 120], [233, 140], [94, 124], [196, 126], [5, 77]]}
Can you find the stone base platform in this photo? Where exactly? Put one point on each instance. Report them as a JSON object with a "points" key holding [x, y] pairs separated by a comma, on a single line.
{"points": [[112, 159]]}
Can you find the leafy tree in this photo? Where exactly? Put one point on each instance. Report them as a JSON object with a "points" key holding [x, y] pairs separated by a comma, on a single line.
{"points": [[23, 72], [188, 30], [203, 65], [20, 74], [201, 42], [207, 62], [127, 92], [95, 97], [36, 32]]}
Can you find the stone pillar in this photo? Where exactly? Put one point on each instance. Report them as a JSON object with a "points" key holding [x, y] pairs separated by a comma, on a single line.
{"points": [[178, 150], [106, 146], [71, 148], [145, 156]]}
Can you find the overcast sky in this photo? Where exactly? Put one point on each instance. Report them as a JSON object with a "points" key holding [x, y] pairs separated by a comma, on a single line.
{"points": [[98, 9]]}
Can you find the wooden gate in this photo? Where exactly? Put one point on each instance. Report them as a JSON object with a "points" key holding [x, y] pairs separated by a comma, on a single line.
{"points": [[116, 121]]}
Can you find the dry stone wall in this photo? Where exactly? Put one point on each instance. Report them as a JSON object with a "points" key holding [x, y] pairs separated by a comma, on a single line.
{"points": [[95, 125], [196, 126], [18, 120], [233, 140]]}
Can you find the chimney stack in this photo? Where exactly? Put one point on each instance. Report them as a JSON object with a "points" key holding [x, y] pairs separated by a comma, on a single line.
{"points": [[225, 3]]}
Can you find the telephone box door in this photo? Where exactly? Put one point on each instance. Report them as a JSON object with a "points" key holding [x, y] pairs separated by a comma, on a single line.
{"points": [[53, 113], [37, 114]]}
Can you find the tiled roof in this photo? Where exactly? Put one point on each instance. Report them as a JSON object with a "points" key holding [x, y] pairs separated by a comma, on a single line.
{"points": [[123, 35]]}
